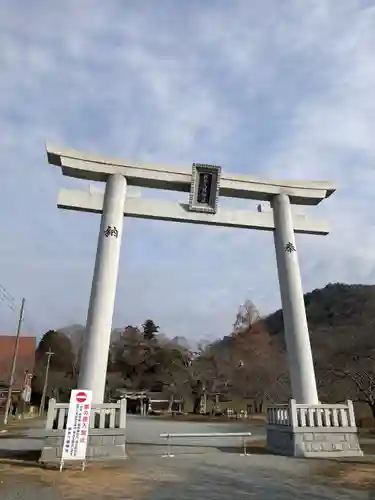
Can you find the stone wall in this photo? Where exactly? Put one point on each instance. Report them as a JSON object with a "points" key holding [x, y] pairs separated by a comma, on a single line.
{"points": [[327, 443], [313, 442], [280, 441], [320, 430]]}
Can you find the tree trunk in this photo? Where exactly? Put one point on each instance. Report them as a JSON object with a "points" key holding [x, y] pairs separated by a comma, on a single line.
{"points": [[197, 403], [204, 403], [372, 406]]}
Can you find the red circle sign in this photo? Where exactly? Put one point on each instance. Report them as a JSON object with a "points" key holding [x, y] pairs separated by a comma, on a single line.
{"points": [[81, 397]]}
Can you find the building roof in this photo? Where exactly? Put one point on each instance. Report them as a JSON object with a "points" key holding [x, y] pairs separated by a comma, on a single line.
{"points": [[25, 358]]}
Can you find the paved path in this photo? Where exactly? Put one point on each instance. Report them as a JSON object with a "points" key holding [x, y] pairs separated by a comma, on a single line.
{"points": [[144, 436], [209, 470]]}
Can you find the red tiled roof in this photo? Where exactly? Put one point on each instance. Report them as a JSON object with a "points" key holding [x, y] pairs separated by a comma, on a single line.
{"points": [[25, 359]]}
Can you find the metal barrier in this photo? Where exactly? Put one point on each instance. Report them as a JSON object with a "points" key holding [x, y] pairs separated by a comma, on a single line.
{"points": [[243, 435]]}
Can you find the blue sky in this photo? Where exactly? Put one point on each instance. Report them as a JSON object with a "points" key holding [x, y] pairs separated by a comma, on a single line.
{"points": [[268, 88]]}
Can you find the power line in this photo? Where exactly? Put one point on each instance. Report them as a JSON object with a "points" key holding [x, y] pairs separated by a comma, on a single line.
{"points": [[9, 301], [6, 294], [7, 298], [3, 299]]}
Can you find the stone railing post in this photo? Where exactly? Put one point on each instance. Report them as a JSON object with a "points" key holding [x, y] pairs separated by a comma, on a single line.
{"points": [[51, 413], [293, 413], [123, 410], [352, 422]]}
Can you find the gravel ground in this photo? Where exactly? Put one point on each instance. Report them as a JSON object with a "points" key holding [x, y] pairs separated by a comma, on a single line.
{"points": [[209, 470]]}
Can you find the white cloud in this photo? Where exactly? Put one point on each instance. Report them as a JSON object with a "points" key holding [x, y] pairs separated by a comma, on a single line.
{"points": [[268, 88]]}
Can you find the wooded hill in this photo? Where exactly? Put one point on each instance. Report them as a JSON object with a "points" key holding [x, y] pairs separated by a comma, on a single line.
{"points": [[250, 363], [341, 322]]}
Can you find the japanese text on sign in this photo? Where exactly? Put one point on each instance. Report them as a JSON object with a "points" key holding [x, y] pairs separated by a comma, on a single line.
{"points": [[77, 427]]}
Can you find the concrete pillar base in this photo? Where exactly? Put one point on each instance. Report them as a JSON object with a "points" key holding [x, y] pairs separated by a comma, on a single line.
{"points": [[313, 442], [103, 444]]}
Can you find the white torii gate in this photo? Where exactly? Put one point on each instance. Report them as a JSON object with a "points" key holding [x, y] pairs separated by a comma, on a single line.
{"points": [[205, 183]]}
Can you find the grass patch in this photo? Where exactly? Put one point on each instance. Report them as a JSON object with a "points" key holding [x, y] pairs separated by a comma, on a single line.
{"points": [[355, 472], [345, 474]]}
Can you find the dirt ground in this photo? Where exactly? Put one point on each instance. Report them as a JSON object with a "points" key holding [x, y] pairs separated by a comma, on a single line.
{"points": [[345, 474], [96, 482], [213, 472], [135, 480], [194, 477]]}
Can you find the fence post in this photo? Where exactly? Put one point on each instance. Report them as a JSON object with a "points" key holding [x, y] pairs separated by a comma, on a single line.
{"points": [[352, 422], [123, 410], [293, 415], [169, 445], [51, 413], [244, 447], [169, 454]]}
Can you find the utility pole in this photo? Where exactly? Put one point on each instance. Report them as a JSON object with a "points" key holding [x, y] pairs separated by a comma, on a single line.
{"points": [[14, 362], [49, 353]]}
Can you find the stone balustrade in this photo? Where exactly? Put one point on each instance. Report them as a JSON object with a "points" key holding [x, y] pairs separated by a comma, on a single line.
{"points": [[106, 435], [323, 415], [103, 416], [312, 430]]}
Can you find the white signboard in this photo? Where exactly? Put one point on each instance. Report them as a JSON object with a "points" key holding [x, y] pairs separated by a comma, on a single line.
{"points": [[77, 427]]}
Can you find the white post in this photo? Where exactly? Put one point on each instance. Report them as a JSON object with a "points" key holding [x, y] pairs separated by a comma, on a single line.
{"points": [[93, 369], [352, 422], [293, 414], [205, 402], [297, 338]]}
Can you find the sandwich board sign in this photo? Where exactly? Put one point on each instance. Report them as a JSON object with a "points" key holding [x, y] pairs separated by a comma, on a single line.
{"points": [[77, 427]]}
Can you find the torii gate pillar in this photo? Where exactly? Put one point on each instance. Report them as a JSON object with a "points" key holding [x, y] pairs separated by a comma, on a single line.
{"points": [[97, 338], [300, 360]]}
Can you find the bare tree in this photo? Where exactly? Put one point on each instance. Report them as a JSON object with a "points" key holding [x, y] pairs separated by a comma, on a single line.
{"points": [[177, 371], [247, 315], [357, 371]]}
